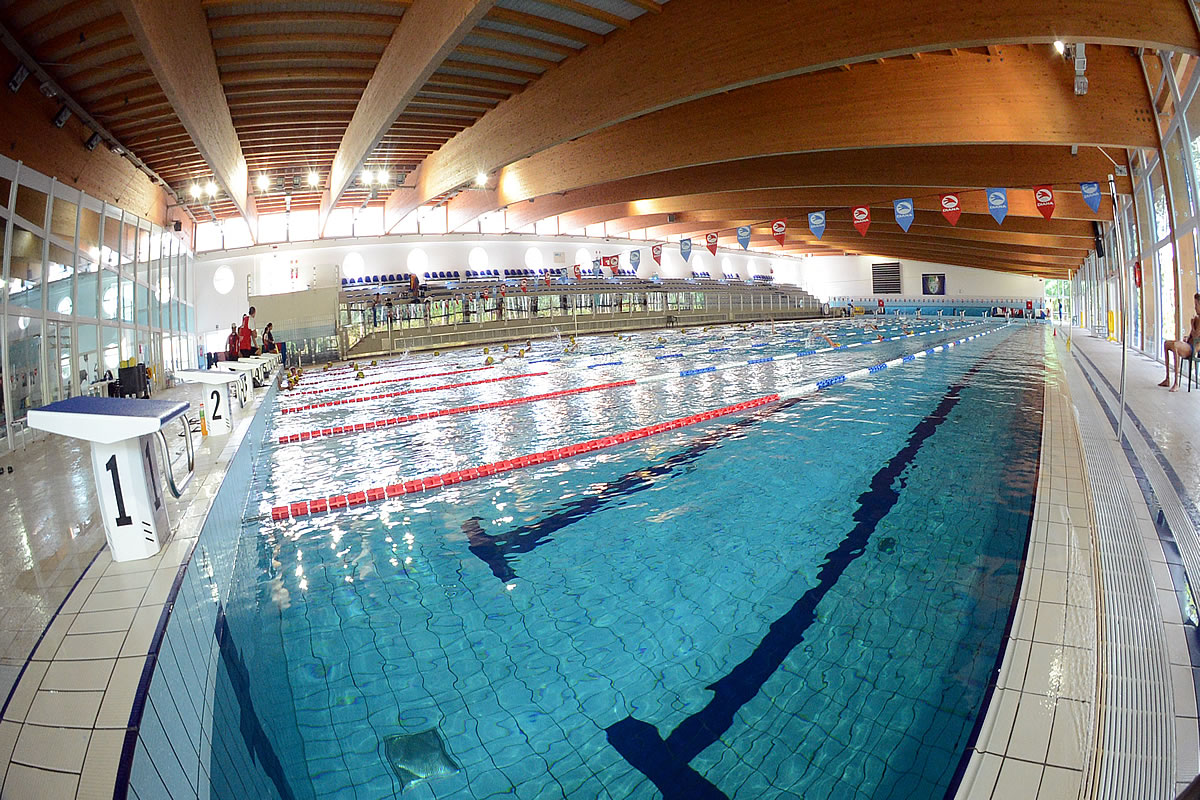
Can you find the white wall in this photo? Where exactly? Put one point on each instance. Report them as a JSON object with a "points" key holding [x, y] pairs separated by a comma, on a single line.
{"points": [[850, 276], [267, 269]]}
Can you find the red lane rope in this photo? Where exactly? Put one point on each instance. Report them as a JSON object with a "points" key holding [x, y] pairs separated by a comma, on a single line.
{"points": [[335, 502], [327, 376], [391, 380], [384, 423], [410, 391]]}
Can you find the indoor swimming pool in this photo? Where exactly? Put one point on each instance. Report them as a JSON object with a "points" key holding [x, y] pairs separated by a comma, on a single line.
{"points": [[806, 599]]}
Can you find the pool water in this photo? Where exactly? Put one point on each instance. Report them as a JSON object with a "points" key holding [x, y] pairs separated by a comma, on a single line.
{"points": [[802, 601]]}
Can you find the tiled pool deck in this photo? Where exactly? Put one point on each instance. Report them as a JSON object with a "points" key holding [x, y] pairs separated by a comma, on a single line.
{"points": [[1043, 736]]}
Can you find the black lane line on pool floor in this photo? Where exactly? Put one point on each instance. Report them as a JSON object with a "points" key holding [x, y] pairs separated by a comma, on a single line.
{"points": [[667, 762], [494, 550]]}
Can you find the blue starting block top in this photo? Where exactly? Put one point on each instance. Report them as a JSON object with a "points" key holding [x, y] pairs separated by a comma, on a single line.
{"points": [[105, 419]]}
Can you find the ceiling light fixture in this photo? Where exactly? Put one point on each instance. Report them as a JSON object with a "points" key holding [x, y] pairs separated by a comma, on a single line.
{"points": [[382, 177], [210, 189], [1059, 46], [195, 191], [92, 142], [367, 177], [481, 179], [263, 183], [314, 180]]}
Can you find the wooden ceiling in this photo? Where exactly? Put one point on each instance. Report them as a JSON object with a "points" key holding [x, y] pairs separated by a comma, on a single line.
{"points": [[674, 118]]}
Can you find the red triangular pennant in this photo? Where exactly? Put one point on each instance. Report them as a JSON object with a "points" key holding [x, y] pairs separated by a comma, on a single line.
{"points": [[1044, 197], [656, 253], [710, 239], [951, 209], [862, 218], [779, 229]]}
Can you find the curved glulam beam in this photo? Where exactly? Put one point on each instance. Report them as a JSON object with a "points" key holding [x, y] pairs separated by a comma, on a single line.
{"points": [[176, 43], [428, 32], [676, 56], [1023, 97], [886, 171]]}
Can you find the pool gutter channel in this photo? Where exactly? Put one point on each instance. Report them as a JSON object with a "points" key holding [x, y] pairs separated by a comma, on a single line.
{"points": [[1140, 763]]}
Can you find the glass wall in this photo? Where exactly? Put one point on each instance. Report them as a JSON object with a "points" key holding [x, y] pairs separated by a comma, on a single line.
{"points": [[1164, 236], [86, 286]]}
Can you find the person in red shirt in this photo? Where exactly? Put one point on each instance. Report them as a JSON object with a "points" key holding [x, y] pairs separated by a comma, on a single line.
{"points": [[247, 335], [231, 343]]}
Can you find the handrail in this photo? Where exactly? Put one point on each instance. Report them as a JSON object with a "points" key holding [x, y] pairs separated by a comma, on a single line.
{"points": [[169, 466]]}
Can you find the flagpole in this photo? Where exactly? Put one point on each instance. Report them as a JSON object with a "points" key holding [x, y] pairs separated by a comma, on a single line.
{"points": [[1120, 258]]}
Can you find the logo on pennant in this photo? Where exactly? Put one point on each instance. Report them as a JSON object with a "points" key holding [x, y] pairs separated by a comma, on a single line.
{"points": [[685, 248], [743, 234], [904, 213], [778, 229], [950, 208], [816, 223], [612, 262], [1044, 197], [710, 241], [635, 258], [656, 254], [1091, 194], [596, 267], [862, 218], [578, 274], [998, 204]]}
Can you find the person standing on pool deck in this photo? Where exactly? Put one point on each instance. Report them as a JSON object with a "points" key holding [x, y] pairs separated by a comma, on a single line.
{"points": [[1183, 349], [247, 335]]}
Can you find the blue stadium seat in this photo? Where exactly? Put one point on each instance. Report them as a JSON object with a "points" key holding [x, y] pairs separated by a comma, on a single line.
{"points": [[343, 281], [456, 275]]}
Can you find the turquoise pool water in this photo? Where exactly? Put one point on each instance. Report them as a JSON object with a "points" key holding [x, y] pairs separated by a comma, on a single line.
{"points": [[807, 600]]}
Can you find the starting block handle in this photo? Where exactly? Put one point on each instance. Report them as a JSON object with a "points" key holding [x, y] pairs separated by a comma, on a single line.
{"points": [[177, 489]]}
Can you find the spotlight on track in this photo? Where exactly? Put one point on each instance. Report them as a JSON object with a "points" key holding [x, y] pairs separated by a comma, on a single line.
{"points": [[62, 116], [1060, 47], [93, 142], [18, 77]]}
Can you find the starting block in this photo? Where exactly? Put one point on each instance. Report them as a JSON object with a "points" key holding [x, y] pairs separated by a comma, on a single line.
{"points": [[217, 410], [124, 463]]}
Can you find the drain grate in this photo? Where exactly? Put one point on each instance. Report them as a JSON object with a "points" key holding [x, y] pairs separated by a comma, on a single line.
{"points": [[1135, 754]]}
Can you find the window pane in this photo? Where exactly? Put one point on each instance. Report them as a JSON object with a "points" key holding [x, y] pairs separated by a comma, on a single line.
{"points": [[1162, 225], [142, 297], [62, 219], [128, 243], [25, 275], [24, 356], [59, 269], [112, 350], [31, 204], [110, 252], [126, 300], [1179, 174], [108, 294], [5, 188], [88, 356], [89, 235], [1166, 284]]}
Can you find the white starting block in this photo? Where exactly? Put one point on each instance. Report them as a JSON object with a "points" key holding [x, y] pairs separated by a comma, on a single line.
{"points": [[216, 410], [124, 464], [246, 370], [266, 364]]}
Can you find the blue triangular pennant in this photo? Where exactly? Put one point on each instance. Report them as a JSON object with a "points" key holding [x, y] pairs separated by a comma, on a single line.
{"points": [[997, 200], [904, 212], [816, 223], [1091, 194]]}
